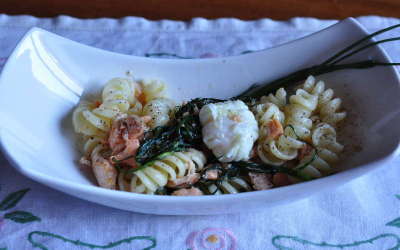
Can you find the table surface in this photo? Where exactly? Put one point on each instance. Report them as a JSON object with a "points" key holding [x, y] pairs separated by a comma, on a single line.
{"points": [[184, 10]]}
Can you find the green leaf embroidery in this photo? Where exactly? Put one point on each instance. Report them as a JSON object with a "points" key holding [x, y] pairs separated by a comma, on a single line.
{"points": [[5, 248], [398, 196], [21, 217], [394, 223], [12, 199], [285, 242], [110, 245]]}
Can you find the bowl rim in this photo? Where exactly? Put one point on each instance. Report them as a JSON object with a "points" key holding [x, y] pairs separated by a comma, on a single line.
{"points": [[58, 183]]}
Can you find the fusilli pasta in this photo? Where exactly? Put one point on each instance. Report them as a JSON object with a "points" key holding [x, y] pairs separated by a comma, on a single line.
{"points": [[171, 167], [327, 105], [327, 150], [117, 97], [153, 89], [232, 185], [159, 110], [279, 99]]}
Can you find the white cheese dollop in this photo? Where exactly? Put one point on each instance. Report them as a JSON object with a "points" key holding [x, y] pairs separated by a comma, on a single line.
{"points": [[229, 130]]}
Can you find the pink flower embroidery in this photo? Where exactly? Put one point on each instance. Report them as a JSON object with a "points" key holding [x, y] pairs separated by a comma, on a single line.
{"points": [[212, 238]]}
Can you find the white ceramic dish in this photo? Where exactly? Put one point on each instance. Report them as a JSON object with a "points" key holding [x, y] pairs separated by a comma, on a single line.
{"points": [[46, 75]]}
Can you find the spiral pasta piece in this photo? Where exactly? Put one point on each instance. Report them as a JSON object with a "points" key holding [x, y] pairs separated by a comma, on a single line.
{"points": [[171, 167], [81, 124], [120, 89], [232, 185], [324, 141], [117, 98], [328, 107], [159, 110], [276, 152], [153, 89], [298, 113], [90, 144], [266, 112], [279, 99]]}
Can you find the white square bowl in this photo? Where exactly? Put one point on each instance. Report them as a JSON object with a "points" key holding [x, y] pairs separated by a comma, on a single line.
{"points": [[46, 76]]}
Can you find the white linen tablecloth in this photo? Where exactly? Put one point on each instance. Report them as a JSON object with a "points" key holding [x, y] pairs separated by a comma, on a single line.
{"points": [[363, 214]]}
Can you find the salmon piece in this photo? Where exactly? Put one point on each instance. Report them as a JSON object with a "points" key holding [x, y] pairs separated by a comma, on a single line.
{"points": [[260, 181], [124, 138], [184, 181], [104, 171], [275, 129], [130, 149], [212, 174], [281, 179], [187, 192], [253, 152], [305, 150], [85, 162]]}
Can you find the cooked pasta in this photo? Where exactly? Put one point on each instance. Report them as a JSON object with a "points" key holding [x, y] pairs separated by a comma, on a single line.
{"points": [[159, 110], [136, 140], [276, 152], [283, 147], [117, 97], [153, 89], [279, 99], [169, 168], [327, 105], [81, 124], [298, 112], [90, 144], [266, 112], [232, 185], [327, 150]]}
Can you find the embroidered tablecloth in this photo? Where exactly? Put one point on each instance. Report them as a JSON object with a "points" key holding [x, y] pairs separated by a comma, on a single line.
{"points": [[363, 214]]}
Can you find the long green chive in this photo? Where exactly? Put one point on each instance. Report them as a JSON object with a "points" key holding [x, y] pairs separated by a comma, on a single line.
{"points": [[358, 42], [306, 164], [327, 66], [363, 48], [149, 163]]}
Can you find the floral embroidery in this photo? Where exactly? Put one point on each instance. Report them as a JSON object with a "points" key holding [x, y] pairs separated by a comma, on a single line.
{"points": [[212, 238], [395, 222], [292, 240], [79, 243], [276, 242], [10, 201]]}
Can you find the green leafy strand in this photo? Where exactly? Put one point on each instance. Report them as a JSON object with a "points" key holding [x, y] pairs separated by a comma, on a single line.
{"points": [[184, 132]]}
